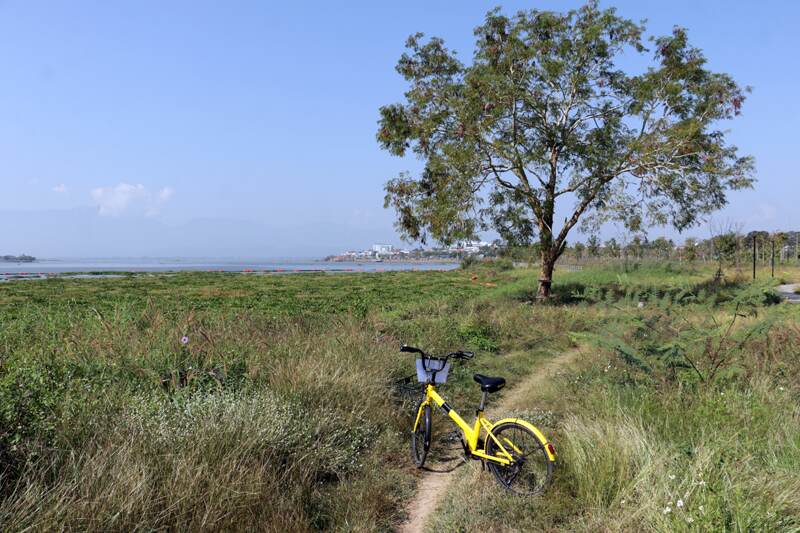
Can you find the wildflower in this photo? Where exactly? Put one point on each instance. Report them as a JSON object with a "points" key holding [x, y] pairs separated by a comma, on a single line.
{"points": [[622, 502], [680, 503], [780, 389], [667, 509], [689, 519], [184, 340], [701, 507], [672, 477], [640, 305]]}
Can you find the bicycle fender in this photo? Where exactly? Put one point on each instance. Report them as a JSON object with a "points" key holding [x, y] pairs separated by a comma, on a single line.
{"points": [[528, 425]]}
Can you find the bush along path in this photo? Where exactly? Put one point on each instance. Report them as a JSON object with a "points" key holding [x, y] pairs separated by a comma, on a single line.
{"points": [[437, 478]]}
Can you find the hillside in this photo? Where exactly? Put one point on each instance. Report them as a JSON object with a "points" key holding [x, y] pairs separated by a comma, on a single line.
{"points": [[17, 258]]}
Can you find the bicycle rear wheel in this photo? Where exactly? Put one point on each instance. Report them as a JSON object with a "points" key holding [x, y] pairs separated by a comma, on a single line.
{"points": [[531, 469], [421, 437]]}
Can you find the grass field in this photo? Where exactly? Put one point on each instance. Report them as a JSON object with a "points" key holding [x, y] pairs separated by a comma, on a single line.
{"points": [[275, 402]]}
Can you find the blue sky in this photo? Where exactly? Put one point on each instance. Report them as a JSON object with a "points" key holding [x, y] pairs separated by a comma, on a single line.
{"points": [[247, 128]]}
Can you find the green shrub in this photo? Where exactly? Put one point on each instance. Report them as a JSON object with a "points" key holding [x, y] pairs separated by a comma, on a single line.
{"points": [[478, 336], [468, 261]]}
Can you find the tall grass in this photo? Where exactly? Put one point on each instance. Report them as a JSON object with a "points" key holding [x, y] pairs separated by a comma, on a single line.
{"points": [[222, 402], [251, 422], [657, 450], [205, 401]]}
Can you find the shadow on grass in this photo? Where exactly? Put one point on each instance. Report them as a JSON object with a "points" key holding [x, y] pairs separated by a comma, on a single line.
{"points": [[561, 293], [576, 292]]}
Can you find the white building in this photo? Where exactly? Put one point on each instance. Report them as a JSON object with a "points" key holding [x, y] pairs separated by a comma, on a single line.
{"points": [[470, 247], [382, 249]]}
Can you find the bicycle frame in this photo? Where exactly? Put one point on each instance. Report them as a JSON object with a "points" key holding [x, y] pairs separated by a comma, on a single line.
{"points": [[505, 450], [471, 434]]}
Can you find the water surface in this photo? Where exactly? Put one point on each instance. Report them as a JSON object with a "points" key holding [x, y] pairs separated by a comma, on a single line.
{"points": [[102, 267]]}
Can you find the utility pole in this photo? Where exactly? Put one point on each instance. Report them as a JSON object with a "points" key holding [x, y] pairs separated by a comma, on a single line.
{"points": [[773, 257], [754, 256]]}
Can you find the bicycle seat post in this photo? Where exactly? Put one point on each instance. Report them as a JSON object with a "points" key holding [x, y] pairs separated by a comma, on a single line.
{"points": [[483, 402]]}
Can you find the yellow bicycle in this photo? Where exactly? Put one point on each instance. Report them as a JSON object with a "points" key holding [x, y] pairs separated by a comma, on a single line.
{"points": [[516, 452]]}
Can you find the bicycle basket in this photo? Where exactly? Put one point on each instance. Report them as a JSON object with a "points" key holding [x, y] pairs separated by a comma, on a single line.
{"points": [[440, 366]]}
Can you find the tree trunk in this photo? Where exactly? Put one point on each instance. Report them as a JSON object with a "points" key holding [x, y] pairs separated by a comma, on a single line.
{"points": [[546, 273]]}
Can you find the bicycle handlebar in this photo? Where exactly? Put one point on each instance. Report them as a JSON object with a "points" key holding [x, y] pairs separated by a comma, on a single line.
{"points": [[458, 355], [411, 349]]}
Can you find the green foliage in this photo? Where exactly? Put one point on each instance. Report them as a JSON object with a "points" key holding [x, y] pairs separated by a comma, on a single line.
{"points": [[684, 333], [282, 406], [502, 265], [29, 393], [271, 295], [613, 247], [285, 433], [579, 248], [97, 391], [593, 245], [725, 246], [544, 111], [521, 253], [468, 261], [642, 445], [690, 249], [479, 336]]}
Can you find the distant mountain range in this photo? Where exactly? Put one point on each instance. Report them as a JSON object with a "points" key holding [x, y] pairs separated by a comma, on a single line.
{"points": [[17, 258]]}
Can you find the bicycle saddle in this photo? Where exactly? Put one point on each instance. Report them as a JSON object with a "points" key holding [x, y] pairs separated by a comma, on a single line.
{"points": [[488, 383]]}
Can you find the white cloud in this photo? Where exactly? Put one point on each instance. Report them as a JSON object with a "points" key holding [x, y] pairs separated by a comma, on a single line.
{"points": [[165, 194], [114, 201], [60, 188], [126, 198]]}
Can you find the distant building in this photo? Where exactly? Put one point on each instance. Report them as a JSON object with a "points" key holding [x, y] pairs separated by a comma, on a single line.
{"points": [[470, 247], [382, 249]]}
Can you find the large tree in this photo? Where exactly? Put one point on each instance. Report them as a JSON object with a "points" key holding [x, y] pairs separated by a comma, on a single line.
{"points": [[543, 117]]}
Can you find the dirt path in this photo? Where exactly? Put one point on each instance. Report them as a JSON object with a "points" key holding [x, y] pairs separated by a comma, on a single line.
{"points": [[536, 379], [435, 482], [429, 493]]}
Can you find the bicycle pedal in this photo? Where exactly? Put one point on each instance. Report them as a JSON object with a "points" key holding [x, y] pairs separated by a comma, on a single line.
{"points": [[464, 445]]}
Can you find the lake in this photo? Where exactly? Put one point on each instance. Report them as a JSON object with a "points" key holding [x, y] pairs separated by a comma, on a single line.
{"points": [[45, 267]]}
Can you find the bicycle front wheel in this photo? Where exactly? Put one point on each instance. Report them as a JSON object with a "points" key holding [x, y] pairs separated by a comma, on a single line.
{"points": [[421, 436], [531, 469]]}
